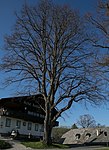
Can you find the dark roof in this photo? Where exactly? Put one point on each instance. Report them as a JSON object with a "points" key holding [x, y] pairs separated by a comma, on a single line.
{"points": [[87, 135], [30, 98], [25, 107], [23, 101]]}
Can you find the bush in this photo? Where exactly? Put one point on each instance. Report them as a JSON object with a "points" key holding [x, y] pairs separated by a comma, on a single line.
{"points": [[58, 132], [4, 145]]}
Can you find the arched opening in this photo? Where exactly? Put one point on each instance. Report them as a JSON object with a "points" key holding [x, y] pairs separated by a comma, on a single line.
{"points": [[105, 133], [88, 134], [78, 136]]}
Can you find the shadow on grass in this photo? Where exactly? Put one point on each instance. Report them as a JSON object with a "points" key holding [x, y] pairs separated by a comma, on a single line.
{"points": [[5, 145]]}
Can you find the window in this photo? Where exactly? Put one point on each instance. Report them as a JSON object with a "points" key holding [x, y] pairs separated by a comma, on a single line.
{"points": [[18, 124], [88, 135], [78, 136], [42, 116], [42, 128], [105, 133], [37, 114], [36, 127], [29, 126], [8, 122], [24, 123]]}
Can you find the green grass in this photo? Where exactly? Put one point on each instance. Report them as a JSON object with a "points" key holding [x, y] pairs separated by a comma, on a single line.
{"points": [[41, 145], [4, 145], [107, 148], [103, 149]]}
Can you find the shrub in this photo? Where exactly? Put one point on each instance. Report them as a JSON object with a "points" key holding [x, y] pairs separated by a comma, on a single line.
{"points": [[4, 145]]}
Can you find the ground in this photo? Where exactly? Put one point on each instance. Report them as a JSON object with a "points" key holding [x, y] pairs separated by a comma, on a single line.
{"points": [[17, 146]]}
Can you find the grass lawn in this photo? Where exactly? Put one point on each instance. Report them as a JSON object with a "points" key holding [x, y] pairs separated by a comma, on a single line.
{"points": [[107, 148], [103, 149], [4, 145], [41, 145]]}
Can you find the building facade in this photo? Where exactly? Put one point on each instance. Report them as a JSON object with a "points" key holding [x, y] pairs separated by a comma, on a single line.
{"points": [[23, 114]]}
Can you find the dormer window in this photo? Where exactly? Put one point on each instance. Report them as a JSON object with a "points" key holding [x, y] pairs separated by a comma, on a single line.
{"points": [[88, 135], [105, 133], [78, 136]]}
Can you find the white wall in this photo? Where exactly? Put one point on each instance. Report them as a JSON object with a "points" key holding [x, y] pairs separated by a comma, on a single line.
{"points": [[23, 129]]}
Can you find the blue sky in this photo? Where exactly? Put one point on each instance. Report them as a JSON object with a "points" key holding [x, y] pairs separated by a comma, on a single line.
{"points": [[7, 20]]}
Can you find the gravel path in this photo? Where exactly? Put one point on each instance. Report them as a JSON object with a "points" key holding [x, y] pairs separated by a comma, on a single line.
{"points": [[16, 145]]}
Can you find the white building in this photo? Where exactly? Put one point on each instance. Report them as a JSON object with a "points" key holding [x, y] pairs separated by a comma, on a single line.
{"points": [[22, 114]]}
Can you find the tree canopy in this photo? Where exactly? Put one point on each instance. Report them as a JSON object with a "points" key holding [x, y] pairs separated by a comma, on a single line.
{"points": [[49, 52], [86, 121]]}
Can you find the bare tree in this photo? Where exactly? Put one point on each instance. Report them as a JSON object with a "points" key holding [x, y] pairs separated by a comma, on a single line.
{"points": [[101, 23], [47, 53], [86, 121], [100, 26]]}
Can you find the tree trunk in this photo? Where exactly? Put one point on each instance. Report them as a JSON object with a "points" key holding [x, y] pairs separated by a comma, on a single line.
{"points": [[47, 133], [47, 127]]}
